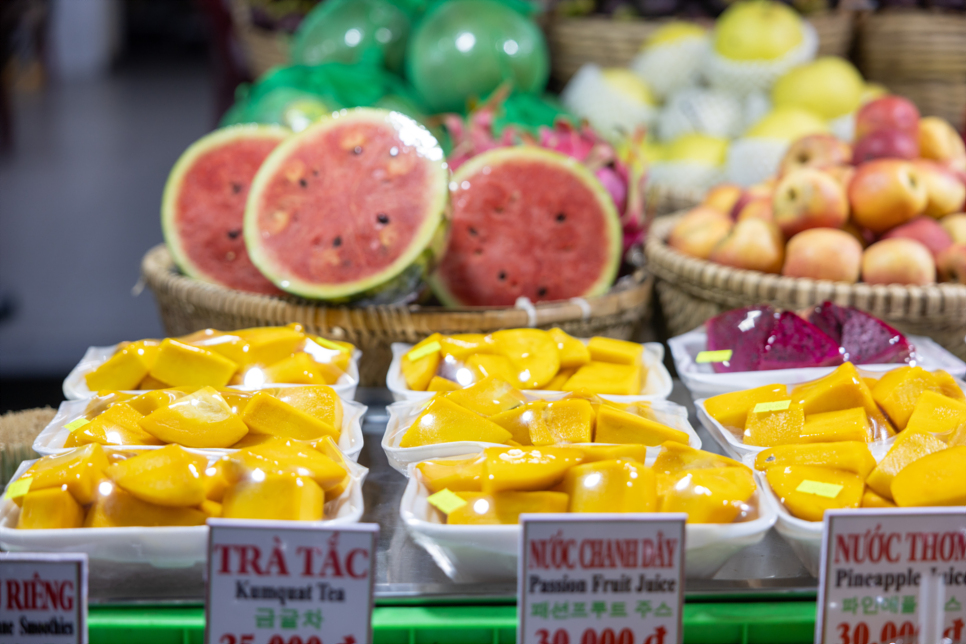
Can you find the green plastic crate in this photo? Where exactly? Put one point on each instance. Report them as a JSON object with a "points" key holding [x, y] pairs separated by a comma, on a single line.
{"points": [[716, 623]]}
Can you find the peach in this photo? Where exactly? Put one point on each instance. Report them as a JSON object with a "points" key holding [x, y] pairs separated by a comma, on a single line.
{"points": [[815, 151], [946, 192], [886, 144], [952, 264], [841, 173], [887, 113], [898, 261], [823, 254], [757, 209], [955, 225], [752, 244], [885, 193], [757, 191], [698, 231], [939, 141], [809, 198], [723, 197], [924, 230]]}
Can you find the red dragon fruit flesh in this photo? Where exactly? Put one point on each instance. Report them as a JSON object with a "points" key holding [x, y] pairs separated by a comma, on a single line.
{"points": [[864, 339], [744, 331], [796, 343]]}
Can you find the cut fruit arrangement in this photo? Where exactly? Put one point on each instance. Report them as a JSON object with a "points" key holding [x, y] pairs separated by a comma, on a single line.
{"points": [[528, 359], [249, 357], [493, 411], [208, 418], [504, 482], [93, 487]]}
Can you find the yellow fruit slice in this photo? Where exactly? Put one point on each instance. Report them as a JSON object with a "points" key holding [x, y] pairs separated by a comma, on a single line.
{"points": [[442, 384], [419, 365], [936, 413], [533, 353], [807, 491], [849, 456], [564, 421], [266, 414], [607, 378], [774, 427], [168, 476], [126, 368], [909, 447], [731, 410], [611, 486], [463, 345], [117, 425], [617, 351], [182, 364], [201, 419], [115, 508], [709, 495], [319, 401], [521, 421], [937, 479], [573, 352], [527, 468], [845, 425], [279, 497], [80, 469], [50, 509], [489, 396], [898, 391], [443, 421], [617, 426], [504, 507], [462, 475], [280, 456], [844, 388]]}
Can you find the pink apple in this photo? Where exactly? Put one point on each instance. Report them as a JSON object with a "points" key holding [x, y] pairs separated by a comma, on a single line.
{"points": [[887, 113], [815, 151], [939, 141], [955, 225], [757, 191], [753, 244], [946, 192], [723, 197], [699, 231], [885, 193], [823, 254], [952, 264], [809, 198], [924, 230], [757, 209], [898, 261], [885, 144]]}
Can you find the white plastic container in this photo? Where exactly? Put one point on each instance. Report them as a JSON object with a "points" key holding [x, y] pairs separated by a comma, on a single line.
{"points": [[51, 439], [805, 537], [75, 387], [658, 383], [402, 414], [702, 381], [468, 553], [163, 547]]}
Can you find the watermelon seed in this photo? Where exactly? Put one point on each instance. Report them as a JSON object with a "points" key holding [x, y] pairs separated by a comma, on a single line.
{"points": [[337, 242], [236, 187], [473, 231], [315, 172], [499, 210], [502, 275], [561, 217], [382, 218], [541, 291], [478, 251], [234, 233], [303, 183], [357, 150]]}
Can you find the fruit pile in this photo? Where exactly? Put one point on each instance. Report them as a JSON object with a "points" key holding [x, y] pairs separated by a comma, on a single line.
{"points": [[761, 339], [250, 357], [205, 417], [888, 209], [921, 469], [504, 482], [843, 406], [527, 358], [493, 411], [92, 487]]}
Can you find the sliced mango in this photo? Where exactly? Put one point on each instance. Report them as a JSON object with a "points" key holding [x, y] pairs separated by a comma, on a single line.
{"points": [[948, 386], [731, 410], [201, 419], [126, 368], [519, 421], [533, 353], [565, 421], [489, 396], [154, 400], [557, 382], [527, 468], [678, 457], [280, 456], [442, 384], [617, 351], [936, 413], [117, 425], [774, 427], [462, 475], [617, 426], [485, 364], [909, 447], [443, 421], [150, 382], [573, 352], [261, 345], [504, 507], [52, 508], [844, 388], [849, 456], [279, 497], [845, 425], [611, 486], [937, 479], [330, 448], [626, 452], [115, 508], [872, 500], [211, 509], [807, 491], [898, 391], [463, 345], [80, 469], [298, 369], [419, 365], [607, 378], [709, 495], [168, 476], [266, 414], [957, 436], [178, 363], [319, 401]]}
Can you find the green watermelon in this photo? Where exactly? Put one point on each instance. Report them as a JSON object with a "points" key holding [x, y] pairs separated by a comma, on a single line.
{"points": [[527, 222], [348, 207], [203, 208]]}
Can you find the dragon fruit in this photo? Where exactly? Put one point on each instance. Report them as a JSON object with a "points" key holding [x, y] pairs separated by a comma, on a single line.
{"points": [[744, 331], [795, 343], [623, 180], [864, 339]]}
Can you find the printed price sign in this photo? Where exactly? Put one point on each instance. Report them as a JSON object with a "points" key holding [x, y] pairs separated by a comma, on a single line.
{"points": [[281, 582], [601, 579], [896, 575], [43, 598]]}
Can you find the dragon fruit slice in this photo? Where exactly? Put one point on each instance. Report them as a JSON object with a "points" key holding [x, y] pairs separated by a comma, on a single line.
{"points": [[829, 317], [744, 331], [796, 343], [865, 339]]}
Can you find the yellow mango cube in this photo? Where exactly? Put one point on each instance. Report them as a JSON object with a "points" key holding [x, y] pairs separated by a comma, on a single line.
{"points": [[168, 476], [297, 369], [216, 480], [678, 457], [523, 420], [486, 364], [731, 410], [573, 352], [328, 447], [849, 456], [319, 401], [617, 351], [936, 413], [266, 414], [443, 421], [52, 508], [442, 384], [909, 447], [463, 345], [626, 452], [126, 368], [117, 425], [807, 491], [80, 469], [948, 386], [533, 353], [845, 425], [279, 497], [565, 421], [618, 426], [259, 345], [527, 468], [777, 427], [842, 389], [872, 500], [282, 456], [504, 508], [154, 400], [201, 419], [458, 475], [150, 382], [419, 365], [182, 364], [709, 495], [558, 382], [607, 378], [611, 486], [489, 396], [115, 508], [937, 479], [898, 391]]}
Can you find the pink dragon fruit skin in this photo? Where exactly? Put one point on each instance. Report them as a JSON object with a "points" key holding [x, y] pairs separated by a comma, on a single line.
{"points": [[865, 339], [796, 343], [745, 332]]}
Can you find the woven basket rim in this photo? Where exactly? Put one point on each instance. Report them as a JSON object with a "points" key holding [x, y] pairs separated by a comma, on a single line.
{"points": [[942, 303], [159, 272]]}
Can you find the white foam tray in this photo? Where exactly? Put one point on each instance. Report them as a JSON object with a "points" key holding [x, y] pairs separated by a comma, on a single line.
{"points": [[804, 537], [657, 385], [75, 387], [51, 439], [402, 414], [163, 547], [468, 553], [702, 381]]}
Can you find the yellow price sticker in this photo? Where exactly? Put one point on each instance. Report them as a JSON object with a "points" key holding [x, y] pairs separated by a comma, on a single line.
{"points": [[18, 487], [705, 357], [422, 352], [329, 344], [446, 501], [76, 424], [778, 405], [828, 490]]}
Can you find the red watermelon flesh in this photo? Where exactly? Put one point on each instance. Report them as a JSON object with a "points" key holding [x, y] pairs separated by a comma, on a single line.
{"points": [[205, 207], [528, 223], [345, 205]]}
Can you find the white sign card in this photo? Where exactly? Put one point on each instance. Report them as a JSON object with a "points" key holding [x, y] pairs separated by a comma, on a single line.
{"points": [[892, 575], [601, 579], [285, 582], [43, 598]]}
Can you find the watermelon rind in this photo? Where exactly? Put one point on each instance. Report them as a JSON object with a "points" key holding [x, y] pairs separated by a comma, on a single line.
{"points": [[532, 153], [187, 159], [427, 236]]}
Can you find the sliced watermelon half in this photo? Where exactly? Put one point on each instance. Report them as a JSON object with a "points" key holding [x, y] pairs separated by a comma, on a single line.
{"points": [[203, 208], [347, 205], [527, 222]]}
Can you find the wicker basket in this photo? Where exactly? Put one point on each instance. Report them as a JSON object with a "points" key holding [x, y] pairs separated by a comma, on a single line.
{"points": [[188, 305], [18, 429], [913, 45], [264, 49], [936, 98], [692, 290], [665, 201], [613, 43]]}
